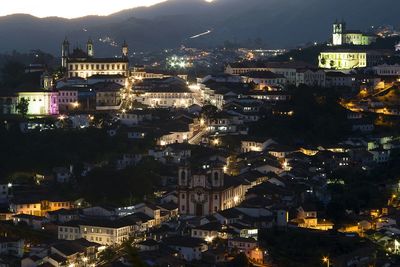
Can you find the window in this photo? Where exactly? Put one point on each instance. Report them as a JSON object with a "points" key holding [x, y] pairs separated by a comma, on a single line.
{"points": [[216, 176]]}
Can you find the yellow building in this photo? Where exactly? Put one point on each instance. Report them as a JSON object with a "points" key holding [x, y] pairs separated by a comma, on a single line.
{"points": [[38, 208], [342, 59]]}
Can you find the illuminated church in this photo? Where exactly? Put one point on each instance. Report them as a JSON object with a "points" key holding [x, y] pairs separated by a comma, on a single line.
{"points": [[83, 64], [208, 190], [342, 36]]}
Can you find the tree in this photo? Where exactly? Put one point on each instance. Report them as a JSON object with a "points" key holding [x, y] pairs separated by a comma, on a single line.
{"points": [[323, 61], [209, 111], [240, 260], [132, 254], [108, 255], [22, 107]]}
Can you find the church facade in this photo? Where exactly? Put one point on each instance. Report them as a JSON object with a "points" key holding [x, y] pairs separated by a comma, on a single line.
{"points": [[207, 191], [83, 64], [342, 36]]}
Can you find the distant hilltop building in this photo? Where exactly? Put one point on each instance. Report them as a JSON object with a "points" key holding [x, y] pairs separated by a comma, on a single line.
{"points": [[350, 50], [342, 36], [83, 64]]}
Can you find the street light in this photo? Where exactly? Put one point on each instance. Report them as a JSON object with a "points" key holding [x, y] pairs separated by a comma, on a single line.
{"points": [[326, 260]]}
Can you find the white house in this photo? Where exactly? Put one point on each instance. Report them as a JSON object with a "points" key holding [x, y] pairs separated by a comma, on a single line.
{"points": [[189, 248]]}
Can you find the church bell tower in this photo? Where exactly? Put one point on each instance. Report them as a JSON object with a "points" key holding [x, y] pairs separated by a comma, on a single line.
{"points": [[89, 48], [64, 53], [338, 31], [125, 50]]}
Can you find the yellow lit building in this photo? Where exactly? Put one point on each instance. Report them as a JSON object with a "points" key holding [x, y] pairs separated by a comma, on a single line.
{"points": [[342, 59], [38, 208]]}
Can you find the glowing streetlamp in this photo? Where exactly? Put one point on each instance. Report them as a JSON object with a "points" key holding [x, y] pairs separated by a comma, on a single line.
{"points": [[326, 260]]}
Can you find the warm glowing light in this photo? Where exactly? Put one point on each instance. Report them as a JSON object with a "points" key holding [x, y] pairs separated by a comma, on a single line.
{"points": [[209, 238], [45, 8]]}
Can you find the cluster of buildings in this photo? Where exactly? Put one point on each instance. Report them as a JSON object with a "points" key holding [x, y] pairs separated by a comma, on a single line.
{"points": [[213, 201], [351, 49]]}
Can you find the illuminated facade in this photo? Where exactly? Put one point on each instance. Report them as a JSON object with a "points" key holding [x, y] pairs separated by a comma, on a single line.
{"points": [[167, 98], [341, 36], [207, 191], [40, 102], [38, 208], [342, 59], [83, 64]]}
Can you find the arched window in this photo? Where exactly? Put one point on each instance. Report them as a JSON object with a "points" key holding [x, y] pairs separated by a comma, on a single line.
{"points": [[216, 176], [183, 176]]}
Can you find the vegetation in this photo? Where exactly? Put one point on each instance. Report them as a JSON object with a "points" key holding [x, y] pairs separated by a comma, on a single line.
{"points": [[12, 67], [308, 54], [240, 260], [361, 189], [300, 248], [43, 150], [105, 185], [23, 106], [317, 119]]}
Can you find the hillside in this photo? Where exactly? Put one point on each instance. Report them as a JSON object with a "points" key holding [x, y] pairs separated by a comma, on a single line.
{"points": [[279, 23]]}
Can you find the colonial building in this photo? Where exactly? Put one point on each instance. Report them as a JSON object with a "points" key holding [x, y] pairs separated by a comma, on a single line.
{"points": [[343, 59], [342, 36], [83, 64], [387, 70], [265, 78], [207, 191], [40, 102], [310, 77], [287, 69], [164, 93], [108, 95], [38, 207], [68, 98]]}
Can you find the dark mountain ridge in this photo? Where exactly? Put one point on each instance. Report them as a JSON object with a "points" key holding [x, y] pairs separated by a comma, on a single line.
{"points": [[279, 23]]}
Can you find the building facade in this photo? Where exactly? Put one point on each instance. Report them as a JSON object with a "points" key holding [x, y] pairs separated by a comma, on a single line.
{"points": [[342, 36], [79, 63], [40, 102], [207, 192], [342, 59]]}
